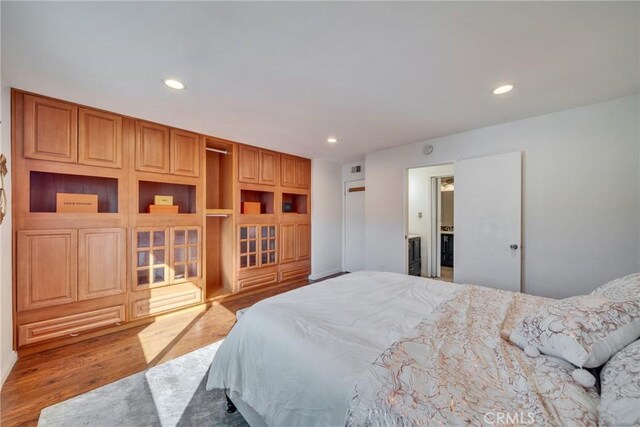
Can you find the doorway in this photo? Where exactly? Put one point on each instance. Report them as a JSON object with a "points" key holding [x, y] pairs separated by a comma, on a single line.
{"points": [[443, 238], [354, 226], [430, 221]]}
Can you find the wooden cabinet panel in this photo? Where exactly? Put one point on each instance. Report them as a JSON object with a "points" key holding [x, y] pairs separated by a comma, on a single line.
{"points": [[287, 171], [101, 262], [99, 139], [295, 242], [186, 244], [295, 273], [185, 153], [72, 325], [287, 243], [47, 268], [303, 241], [165, 301], [248, 164], [295, 172], [303, 173], [259, 280], [268, 167], [50, 130], [152, 147]]}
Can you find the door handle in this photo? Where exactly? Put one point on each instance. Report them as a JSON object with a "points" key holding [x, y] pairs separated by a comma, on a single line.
{"points": [[514, 246]]}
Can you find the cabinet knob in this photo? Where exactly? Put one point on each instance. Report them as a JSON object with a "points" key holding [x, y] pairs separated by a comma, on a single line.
{"points": [[514, 246]]}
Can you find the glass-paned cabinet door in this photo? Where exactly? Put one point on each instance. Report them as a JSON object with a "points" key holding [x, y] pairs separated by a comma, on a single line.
{"points": [[186, 244], [268, 244], [248, 246], [151, 257]]}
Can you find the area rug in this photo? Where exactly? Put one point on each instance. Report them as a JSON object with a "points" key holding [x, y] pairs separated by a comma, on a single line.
{"points": [[170, 394]]}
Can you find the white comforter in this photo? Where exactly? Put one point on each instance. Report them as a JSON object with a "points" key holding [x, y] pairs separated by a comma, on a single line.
{"points": [[295, 358]]}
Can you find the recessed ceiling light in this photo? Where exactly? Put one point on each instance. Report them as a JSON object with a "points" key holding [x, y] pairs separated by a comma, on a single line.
{"points": [[501, 90], [174, 84], [332, 140]]}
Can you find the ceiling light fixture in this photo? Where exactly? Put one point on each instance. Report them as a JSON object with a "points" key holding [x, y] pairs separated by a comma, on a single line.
{"points": [[174, 84], [332, 140], [501, 90]]}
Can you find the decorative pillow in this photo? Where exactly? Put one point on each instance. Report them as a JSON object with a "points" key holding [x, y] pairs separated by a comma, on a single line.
{"points": [[620, 388], [625, 288], [585, 330]]}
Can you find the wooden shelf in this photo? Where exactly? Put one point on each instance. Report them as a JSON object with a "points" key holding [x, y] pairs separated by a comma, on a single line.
{"points": [[294, 203], [183, 195], [44, 186], [218, 211]]}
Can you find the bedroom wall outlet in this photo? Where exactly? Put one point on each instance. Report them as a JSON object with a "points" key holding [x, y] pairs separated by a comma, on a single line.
{"points": [[419, 214]]}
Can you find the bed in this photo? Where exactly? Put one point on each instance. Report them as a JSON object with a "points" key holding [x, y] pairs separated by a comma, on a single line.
{"points": [[373, 348]]}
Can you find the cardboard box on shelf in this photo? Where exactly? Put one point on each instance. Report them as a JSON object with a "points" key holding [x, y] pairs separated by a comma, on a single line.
{"points": [[250, 207], [79, 203], [162, 209]]}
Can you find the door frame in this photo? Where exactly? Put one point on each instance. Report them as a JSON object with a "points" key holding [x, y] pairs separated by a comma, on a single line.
{"points": [[434, 269], [345, 189], [405, 218]]}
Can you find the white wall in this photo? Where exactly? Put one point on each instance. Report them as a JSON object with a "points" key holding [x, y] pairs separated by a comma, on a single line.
{"points": [[348, 176], [581, 195], [326, 218], [7, 355], [419, 192]]}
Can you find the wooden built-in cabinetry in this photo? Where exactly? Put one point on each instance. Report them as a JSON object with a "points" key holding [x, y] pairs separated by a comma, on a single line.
{"points": [[295, 172], [79, 275], [257, 166]]}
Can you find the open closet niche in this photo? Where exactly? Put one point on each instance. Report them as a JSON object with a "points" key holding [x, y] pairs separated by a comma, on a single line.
{"points": [[219, 224]]}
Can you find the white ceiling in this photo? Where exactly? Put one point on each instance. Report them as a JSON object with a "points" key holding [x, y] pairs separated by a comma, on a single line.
{"points": [[288, 75]]}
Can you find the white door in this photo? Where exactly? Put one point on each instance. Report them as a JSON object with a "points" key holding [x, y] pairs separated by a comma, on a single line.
{"points": [[488, 221], [354, 226], [435, 269]]}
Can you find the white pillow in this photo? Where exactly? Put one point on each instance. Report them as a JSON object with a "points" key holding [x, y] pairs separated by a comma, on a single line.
{"points": [[620, 388], [585, 330], [625, 288]]}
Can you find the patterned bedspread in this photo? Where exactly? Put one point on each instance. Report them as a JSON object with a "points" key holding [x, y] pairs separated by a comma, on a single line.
{"points": [[456, 369]]}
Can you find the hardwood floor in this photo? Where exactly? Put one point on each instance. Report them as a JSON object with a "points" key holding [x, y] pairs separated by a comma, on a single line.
{"points": [[46, 378], [446, 274]]}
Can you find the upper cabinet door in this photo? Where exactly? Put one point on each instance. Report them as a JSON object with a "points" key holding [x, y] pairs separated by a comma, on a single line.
{"points": [[248, 164], [185, 153], [287, 171], [303, 173], [268, 167], [46, 268], [101, 262], [99, 139], [50, 130], [152, 147]]}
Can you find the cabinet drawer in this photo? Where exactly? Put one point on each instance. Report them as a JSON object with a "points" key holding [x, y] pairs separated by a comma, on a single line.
{"points": [[260, 280], [162, 303], [69, 325], [294, 273]]}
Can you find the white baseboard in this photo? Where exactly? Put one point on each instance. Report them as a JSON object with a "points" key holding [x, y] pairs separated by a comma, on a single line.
{"points": [[316, 276], [6, 368]]}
